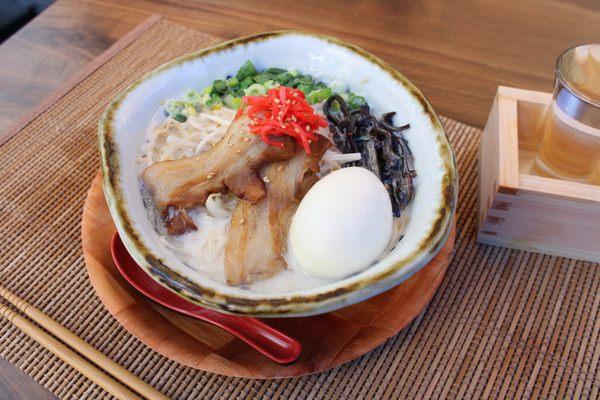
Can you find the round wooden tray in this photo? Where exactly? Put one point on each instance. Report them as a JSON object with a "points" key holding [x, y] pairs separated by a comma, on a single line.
{"points": [[358, 329]]}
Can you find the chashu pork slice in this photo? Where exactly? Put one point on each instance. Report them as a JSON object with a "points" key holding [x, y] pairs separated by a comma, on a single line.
{"points": [[258, 233], [232, 164]]}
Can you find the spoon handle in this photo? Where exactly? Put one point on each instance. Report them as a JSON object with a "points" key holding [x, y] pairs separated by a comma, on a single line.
{"points": [[260, 336]]}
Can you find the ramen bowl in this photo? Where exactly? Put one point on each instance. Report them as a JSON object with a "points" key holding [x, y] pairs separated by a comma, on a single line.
{"points": [[121, 134]]}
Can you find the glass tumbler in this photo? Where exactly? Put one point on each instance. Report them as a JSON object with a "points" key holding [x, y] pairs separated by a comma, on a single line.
{"points": [[570, 147]]}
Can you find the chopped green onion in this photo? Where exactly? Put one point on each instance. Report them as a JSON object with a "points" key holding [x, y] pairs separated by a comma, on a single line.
{"points": [[275, 71], [284, 78], [185, 108], [189, 110], [260, 78], [246, 82], [270, 84], [233, 82], [236, 103], [299, 80], [249, 82], [173, 106], [305, 79], [246, 70], [319, 95], [219, 86], [335, 106], [214, 101], [204, 98], [179, 117], [232, 102], [355, 101], [306, 89], [193, 96], [256, 89]]}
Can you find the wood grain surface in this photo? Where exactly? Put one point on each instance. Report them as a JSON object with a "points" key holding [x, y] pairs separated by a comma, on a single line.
{"points": [[358, 328], [457, 51]]}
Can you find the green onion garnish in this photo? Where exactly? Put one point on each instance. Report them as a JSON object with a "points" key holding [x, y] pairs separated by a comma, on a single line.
{"points": [[246, 82], [246, 70], [355, 101], [275, 71], [219, 86], [256, 89], [233, 82], [179, 117]]}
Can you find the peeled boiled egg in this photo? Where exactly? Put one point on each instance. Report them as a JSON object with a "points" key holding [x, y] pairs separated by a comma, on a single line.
{"points": [[342, 225]]}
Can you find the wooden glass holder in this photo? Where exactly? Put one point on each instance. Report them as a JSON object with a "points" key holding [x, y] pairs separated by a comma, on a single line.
{"points": [[524, 211]]}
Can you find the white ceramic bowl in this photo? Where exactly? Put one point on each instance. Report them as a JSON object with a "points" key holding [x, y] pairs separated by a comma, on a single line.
{"points": [[121, 132]]}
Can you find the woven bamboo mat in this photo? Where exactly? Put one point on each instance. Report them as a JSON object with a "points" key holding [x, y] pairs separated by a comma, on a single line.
{"points": [[504, 324]]}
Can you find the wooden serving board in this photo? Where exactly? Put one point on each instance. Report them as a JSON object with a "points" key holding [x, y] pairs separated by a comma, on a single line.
{"points": [[328, 340]]}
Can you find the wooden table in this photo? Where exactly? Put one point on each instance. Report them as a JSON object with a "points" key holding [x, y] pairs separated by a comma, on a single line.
{"points": [[456, 51]]}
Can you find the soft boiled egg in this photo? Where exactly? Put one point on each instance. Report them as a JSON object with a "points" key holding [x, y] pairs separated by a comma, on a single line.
{"points": [[342, 225]]}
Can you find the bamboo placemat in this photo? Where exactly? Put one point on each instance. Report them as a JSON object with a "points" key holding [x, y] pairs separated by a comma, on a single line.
{"points": [[504, 324]]}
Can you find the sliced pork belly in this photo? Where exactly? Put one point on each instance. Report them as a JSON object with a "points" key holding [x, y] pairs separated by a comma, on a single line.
{"points": [[258, 233], [231, 165]]}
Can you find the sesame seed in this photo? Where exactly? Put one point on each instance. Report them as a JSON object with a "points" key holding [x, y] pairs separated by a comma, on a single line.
{"points": [[280, 168], [307, 128], [238, 152], [266, 179], [242, 221], [210, 176], [246, 139]]}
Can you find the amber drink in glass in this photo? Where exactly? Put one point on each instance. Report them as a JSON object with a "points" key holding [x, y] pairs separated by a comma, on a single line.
{"points": [[570, 147]]}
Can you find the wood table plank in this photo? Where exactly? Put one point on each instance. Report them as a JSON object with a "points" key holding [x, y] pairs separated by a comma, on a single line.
{"points": [[457, 52]]}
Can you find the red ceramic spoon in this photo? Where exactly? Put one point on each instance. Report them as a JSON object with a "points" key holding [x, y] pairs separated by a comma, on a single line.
{"points": [[267, 340]]}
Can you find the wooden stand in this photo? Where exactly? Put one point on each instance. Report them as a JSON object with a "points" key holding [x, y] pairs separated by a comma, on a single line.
{"points": [[328, 340], [524, 211]]}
